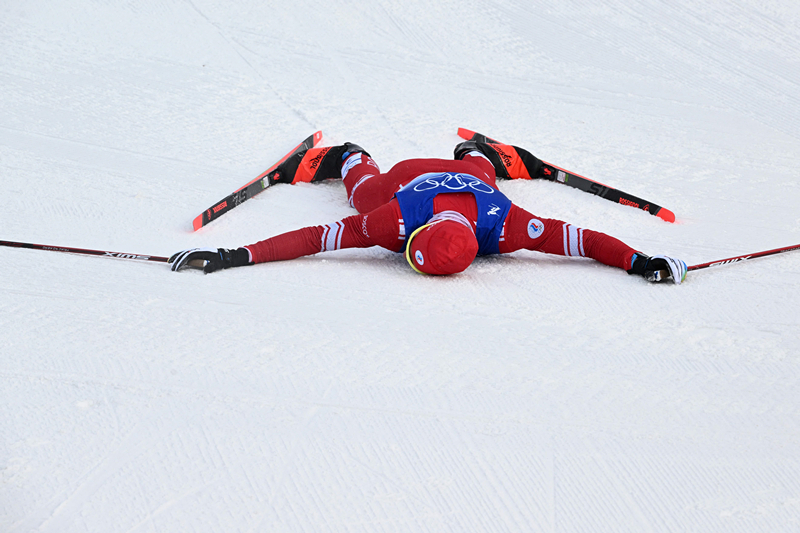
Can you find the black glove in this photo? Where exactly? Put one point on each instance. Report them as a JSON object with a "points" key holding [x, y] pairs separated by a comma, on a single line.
{"points": [[658, 268], [209, 259]]}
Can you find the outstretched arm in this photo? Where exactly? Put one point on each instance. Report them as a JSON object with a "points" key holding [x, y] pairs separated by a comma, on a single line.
{"points": [[524, 230], [380, 227]]}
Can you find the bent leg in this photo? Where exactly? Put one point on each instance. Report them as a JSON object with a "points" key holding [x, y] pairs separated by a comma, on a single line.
{"points": [[366, 187]]}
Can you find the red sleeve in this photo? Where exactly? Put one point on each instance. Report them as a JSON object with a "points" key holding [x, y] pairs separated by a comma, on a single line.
{"points": [[523, 230], [380, 227]]}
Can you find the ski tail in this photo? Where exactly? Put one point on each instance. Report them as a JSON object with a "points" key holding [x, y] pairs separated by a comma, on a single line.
{"points": [[252, 188], [470, 135], [553, 173]]}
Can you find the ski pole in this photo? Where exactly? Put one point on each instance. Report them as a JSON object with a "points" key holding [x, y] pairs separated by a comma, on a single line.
{"points": [[66, 249], [740, 258]]}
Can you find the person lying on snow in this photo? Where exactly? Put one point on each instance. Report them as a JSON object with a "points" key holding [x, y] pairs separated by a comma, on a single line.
{"points": [[440, 213]]}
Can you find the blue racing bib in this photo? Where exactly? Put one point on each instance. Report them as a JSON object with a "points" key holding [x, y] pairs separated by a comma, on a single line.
{"points": [[416, 205]]}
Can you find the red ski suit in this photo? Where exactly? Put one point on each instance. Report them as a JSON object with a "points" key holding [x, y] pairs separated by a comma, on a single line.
{"points": [[380, 222]]}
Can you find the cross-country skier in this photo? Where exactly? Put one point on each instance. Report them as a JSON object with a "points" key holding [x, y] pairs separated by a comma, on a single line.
{"points": [[440, 213]]}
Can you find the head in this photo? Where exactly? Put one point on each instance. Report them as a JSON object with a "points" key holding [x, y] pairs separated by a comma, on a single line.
{"points": [[442, 247]]}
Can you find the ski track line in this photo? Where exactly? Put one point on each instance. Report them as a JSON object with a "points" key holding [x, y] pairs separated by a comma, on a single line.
{"points": [[62, 508], [623, 494], [429, 509], [232, 43], [637, 479], [668, 39], [523, 84], [301, 435], [91, 150], [407, 31], [149, 520], [755, 73], [517, 513]]}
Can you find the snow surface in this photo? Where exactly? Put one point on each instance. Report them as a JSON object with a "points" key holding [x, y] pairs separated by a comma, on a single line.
{"points": [[344, 392]]}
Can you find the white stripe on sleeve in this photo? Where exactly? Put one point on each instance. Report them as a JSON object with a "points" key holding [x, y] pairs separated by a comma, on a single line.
{"points": [[573, 241], [339, 235], [324, 238], [332, 237]]}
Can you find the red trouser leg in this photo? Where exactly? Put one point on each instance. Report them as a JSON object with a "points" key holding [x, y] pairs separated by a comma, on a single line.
{"points": [[362, 178], [368, 189]]}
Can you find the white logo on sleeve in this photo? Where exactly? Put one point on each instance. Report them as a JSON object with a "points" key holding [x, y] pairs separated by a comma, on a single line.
{"points": [[535, 228], [419, 258]]}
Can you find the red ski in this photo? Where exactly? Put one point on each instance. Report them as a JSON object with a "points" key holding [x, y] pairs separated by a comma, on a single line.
{"points": [[554, 173], [247, 191]]}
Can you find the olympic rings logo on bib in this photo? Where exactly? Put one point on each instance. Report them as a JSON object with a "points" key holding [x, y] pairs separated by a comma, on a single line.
{"points": [[451, 182]]}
